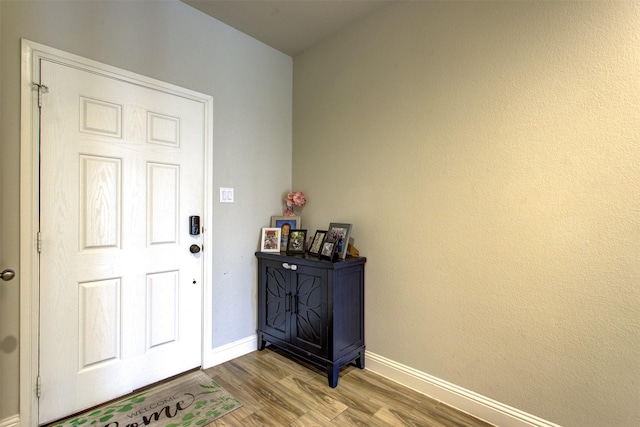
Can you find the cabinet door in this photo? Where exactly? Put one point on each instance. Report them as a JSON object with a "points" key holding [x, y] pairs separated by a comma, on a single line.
{"points": [[277, 299], [309, 320]]}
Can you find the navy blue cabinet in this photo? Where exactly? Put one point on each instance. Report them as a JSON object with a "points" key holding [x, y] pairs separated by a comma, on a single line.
{"points": [[312, 309]]}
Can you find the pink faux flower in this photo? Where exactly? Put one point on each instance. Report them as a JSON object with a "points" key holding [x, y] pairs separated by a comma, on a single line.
{"points": [[296, 198]]}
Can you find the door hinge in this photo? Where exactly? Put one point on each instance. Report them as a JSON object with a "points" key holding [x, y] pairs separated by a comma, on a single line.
{"points": [[39, 242], [38, 386], [41, 89]]}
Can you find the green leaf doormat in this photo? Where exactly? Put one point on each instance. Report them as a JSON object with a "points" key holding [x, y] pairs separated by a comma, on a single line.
{"points": [[191, 400]]}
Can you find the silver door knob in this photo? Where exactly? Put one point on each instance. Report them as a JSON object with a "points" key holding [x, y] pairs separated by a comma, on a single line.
{"points": [[7, 275]]}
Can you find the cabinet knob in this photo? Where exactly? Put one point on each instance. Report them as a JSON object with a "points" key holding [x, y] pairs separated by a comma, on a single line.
{"points": [[289, 266]]}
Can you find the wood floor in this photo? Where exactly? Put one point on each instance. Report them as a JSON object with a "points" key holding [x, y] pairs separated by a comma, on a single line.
{"points": [[277, 391]]}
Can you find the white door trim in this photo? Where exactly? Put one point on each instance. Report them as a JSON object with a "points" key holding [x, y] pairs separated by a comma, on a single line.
{"points": [[29, 190]]}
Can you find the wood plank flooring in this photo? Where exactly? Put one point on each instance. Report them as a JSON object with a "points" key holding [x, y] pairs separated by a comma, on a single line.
{"points": [[277, 391]]}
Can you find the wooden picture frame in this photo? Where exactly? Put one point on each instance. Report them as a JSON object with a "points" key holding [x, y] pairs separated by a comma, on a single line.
{"points": [[297, 242], [339, 234], [286, 224], [270, 239], [316, 243]]}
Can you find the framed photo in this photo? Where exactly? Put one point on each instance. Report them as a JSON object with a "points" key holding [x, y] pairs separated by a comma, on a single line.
{"points": [[339, 234], [316, 243], [270, 239], [297, 241], [328, 248], [285, 224]]}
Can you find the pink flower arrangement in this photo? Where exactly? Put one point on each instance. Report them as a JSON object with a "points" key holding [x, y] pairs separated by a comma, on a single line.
{"points": [[294, 198]]}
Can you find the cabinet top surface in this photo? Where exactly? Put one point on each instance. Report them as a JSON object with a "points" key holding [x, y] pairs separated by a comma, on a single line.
{"points": [[310, 259]]}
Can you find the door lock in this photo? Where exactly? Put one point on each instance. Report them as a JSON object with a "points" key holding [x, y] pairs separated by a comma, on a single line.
{"points": [[194, 225]]}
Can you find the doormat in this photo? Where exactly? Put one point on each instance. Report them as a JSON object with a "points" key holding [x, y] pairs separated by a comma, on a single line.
{"points": [[192, 400]]}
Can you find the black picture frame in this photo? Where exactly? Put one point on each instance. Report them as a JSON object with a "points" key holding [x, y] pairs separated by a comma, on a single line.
{"points": [[328, 249], [316, 243], [339, 234], [297, 242]]}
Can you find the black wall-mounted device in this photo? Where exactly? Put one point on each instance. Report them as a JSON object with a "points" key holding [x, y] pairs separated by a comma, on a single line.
{"points": [[194, 225]]}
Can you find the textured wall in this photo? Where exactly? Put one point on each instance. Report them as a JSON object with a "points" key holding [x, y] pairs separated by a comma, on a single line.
{"points": [[487, 154], [170, 41]]}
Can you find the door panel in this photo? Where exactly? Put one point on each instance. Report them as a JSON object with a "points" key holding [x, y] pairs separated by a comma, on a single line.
{"points": [[120, 292], [162, 204], [309, 322], [99, 310], [277, 300], [163, 315], [100, 202]]}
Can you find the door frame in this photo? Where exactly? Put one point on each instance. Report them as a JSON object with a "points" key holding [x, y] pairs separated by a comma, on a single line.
{"points": [[31, 53]]}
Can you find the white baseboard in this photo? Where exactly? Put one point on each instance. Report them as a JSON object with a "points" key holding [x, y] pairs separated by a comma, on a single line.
{"points": [[11, 421], [229, 351], [452, 395]]}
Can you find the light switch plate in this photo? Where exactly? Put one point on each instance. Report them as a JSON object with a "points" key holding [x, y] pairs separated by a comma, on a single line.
{"points": [[226, 195]]}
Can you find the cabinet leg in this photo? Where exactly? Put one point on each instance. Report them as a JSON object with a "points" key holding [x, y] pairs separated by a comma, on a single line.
{"points": [[262, 343], [332, 374], [360, 360]]}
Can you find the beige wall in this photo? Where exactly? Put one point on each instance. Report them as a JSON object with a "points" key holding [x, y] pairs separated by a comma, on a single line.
{"points": [[170, 41], [488, 156]]}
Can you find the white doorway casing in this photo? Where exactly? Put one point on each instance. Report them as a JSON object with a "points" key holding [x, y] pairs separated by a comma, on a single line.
{"points": [[32, 53]]}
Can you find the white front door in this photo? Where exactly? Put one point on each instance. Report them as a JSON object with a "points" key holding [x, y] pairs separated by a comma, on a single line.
{"points": [[120, 290]]}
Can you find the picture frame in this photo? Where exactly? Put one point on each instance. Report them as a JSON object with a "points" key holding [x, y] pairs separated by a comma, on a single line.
{"points": [[339, 234], [281, 222], [270, 239], [328, 249], [316, 243], [297, 242]]}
